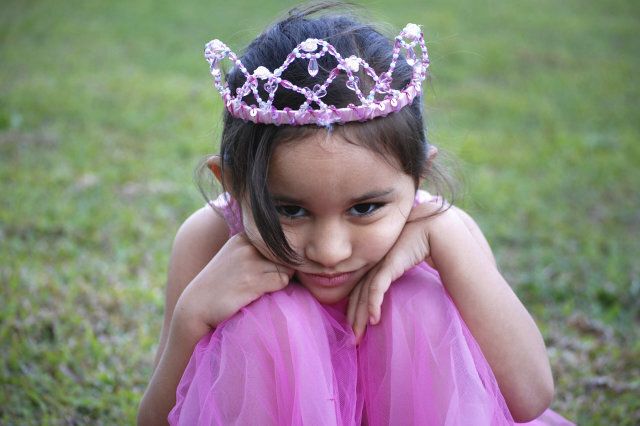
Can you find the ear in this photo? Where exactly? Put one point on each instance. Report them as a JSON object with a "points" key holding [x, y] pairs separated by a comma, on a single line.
{"points": [[432, 153], [214, 163]]}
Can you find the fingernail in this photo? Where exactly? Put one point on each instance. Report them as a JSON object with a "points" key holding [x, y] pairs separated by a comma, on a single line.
{"points": [[372, 320]]}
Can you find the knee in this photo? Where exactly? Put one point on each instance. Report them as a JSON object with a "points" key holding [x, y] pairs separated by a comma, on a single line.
{"points": [[420, 288], [416, 297], [272, 314]]}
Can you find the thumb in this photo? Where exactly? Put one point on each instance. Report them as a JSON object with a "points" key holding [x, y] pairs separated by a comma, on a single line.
{"points": [[279, 278], [285, 272], [390, 270]]}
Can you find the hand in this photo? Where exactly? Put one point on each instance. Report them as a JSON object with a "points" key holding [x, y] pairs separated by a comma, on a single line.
{"points": [[411, 248], [236, 276]]}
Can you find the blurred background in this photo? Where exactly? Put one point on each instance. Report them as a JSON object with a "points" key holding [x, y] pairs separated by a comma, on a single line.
{"points": [[106, 108]]}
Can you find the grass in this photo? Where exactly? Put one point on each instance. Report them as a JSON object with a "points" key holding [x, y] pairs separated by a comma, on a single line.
{"points": [[106, 107]]}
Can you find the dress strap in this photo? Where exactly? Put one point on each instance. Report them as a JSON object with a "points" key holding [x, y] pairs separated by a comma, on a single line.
{"points": [[230, 210], [423, 196]]}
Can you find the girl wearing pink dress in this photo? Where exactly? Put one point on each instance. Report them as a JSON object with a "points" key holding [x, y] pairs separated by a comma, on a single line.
{"points": [[323, 287]]}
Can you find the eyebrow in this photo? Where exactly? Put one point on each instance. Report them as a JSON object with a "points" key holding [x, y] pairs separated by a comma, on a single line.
{"points": [[373, 194], [364, 197]]}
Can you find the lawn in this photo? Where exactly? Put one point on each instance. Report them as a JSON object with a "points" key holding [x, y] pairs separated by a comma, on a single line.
{"points": [[106, 108]]}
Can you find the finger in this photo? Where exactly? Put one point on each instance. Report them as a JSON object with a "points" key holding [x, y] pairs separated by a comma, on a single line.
{"points": [[284, 270], [277, 281], [377, 288], [353, 303], [279, 277], [362, 315], [362, 312], [429, 261]]}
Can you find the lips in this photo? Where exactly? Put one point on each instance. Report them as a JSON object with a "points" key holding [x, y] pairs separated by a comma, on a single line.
{"points": [[327, 280]]}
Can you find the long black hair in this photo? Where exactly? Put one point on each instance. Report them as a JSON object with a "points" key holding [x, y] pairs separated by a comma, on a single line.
{"points": [[246, 147]]}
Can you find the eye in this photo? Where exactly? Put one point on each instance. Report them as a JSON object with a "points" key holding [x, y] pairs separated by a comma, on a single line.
{"points": [[291, 212], [365, 209]]}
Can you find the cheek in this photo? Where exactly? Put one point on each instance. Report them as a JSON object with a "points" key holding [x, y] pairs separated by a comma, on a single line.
{"points": [[252, 233], [250, 228], [376, 242], [295, 235]]}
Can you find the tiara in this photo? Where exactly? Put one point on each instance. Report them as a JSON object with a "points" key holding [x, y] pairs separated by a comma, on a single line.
{"points": [[379, 102]]}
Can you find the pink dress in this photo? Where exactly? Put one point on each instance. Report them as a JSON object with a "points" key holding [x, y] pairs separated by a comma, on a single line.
{"points": [[286, 359]]}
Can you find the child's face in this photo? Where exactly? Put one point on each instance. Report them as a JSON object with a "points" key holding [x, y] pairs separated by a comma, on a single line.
{"points": [[341, 206]]}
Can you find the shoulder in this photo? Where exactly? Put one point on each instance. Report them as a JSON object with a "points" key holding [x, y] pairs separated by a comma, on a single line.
{"points": [[475, 231], [200, 237], [425, 198], [466, 218], [202, 233], [197, 241], [433, 204]]}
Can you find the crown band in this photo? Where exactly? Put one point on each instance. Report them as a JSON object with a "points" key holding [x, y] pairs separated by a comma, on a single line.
{"points": [[312, 49]]}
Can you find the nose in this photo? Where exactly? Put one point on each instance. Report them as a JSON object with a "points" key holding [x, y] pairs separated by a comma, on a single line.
{"points": [[329, 243]]}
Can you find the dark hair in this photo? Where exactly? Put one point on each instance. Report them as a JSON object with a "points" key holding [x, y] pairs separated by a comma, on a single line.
{"points": [[246, 148]]}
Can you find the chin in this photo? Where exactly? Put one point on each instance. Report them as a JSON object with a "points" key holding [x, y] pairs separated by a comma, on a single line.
{"points": [[331, 300], [329, 296]]}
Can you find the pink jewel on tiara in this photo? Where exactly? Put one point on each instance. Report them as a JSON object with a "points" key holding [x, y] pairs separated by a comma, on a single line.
{"points": [[353, 63], [412, 31], [309, 45], [352, 83], [313, 67], [322, 114], [262, 73], [411, 57]]}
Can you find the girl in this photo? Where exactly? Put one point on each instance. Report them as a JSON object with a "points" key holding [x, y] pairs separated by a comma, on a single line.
{"points": [[324, 287]]}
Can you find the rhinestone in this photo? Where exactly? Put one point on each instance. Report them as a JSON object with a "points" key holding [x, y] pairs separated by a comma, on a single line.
{"points": [[310, 45], [412, 31], [411, 57], [262, 73], [313, 67], [270, 87], [217, 46], [353, 84], [352, 63], [319, 91]]}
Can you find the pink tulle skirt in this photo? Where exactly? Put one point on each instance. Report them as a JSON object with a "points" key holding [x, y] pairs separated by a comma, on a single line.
{"points": [[286, 359]]}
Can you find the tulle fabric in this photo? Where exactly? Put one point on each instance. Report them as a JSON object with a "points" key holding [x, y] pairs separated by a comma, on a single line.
{"points": [[286, 359], [282, 360]]}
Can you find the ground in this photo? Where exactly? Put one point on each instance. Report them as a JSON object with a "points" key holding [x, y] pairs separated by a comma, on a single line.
{"points": [[106, 108]]}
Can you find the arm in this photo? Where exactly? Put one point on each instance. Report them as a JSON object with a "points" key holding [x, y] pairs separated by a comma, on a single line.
{"points": [[475, 231], [508, 336], [201, 293], [198, 240], [452, 242]]}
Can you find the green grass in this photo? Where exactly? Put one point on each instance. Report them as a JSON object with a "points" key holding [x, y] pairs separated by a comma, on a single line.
{"points": [[106, 107]]}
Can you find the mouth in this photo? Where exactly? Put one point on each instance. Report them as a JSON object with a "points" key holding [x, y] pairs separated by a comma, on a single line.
{"points": [[327, 280]]}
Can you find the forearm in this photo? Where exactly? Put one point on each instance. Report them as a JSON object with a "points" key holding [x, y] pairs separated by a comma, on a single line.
{"points": [[506, 333], [160, 395]]}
